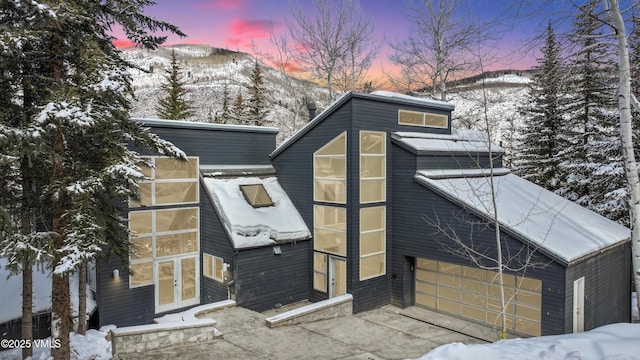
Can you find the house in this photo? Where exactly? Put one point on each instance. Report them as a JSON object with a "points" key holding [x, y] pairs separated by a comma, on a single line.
{"points": [[377, 197]]}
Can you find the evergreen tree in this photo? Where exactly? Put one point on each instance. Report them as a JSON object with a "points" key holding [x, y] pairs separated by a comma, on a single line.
{"points": [[238, 114], [174, 106], [258, 107], [75, 118], [225, 117], [592, 162], [542, 137]]}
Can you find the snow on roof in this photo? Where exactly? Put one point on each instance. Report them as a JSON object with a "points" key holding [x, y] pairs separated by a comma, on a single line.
{"points": [[425, 101], [460, 140], [558, 225], [254, 227], [182, 124]]}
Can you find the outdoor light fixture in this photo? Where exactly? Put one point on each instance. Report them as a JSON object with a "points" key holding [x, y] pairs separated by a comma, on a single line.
{"points": [[277, 250], [116, 274]]}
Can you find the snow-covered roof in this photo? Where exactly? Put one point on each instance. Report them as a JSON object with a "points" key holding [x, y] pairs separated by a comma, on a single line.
{"points": [[460, 140], [563, 228], [421, 101], [181, 124], [249, 227]]}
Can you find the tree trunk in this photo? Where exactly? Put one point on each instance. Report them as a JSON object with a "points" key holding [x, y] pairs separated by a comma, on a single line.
{"points": [[82, 299], [626, 133], [60, 301], [27, 269]]}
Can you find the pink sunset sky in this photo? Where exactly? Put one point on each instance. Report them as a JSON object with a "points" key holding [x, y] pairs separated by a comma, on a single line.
{"points": [[244, 25]]}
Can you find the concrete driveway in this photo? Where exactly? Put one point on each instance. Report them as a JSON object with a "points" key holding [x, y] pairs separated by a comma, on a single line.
{"points": [[386, 333]]}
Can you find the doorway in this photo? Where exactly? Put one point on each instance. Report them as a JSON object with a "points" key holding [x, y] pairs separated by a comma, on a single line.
{"points": [[177, 283], [337, 276], [578, 305]]}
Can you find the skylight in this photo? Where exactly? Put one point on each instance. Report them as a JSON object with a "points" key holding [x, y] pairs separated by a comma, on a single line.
{"points": [[256, 195]]}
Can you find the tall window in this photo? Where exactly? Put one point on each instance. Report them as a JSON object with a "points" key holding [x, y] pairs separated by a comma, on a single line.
{"points": [[172, 182], [416, 118], [372, 167], [158, 234], [372, 242], [330, 171], [330, 229]]}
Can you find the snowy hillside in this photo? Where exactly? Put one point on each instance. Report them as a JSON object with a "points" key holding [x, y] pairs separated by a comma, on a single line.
{"points": [[206, 70]]}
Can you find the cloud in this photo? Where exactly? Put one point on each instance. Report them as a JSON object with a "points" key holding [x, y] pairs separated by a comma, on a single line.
{"points": [[123, 43], [244, 31], [223, 5]]}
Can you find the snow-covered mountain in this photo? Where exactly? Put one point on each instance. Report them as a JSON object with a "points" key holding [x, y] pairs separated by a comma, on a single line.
{"points": [[207, 70]]}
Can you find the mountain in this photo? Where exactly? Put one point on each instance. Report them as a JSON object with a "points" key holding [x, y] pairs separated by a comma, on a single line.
{"points": [[207, 70]]}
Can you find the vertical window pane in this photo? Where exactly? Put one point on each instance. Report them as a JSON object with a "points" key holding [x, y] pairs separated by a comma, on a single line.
{"points": [[218, 269], [372, 190], [320, 272], [372, 266], [188, 273], [330, 217], [372, 218], [176, 193], [371, 243], [180, 219], [166, 292], [140, 222], [333, 167], [168, 168], [330, 191], [372, 166], [334, 242], [141, 248], [142, 274], [207, 265], [372, 142]]}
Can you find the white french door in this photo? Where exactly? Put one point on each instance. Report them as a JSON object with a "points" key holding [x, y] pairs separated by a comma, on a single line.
{"points": [[177, 283], [337, 276]]}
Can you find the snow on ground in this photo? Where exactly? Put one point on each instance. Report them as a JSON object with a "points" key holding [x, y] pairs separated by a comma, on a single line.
{"points": [[616, 341], [93, 345]]}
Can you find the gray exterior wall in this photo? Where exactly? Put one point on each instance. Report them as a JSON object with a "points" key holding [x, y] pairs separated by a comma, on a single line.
{"points": [[264, 280], [415, 211], [607, 288]]}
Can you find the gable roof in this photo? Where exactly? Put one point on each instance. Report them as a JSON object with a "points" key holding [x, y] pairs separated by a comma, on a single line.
{"points": [[250, 227], [559, 226], [380, 96]]}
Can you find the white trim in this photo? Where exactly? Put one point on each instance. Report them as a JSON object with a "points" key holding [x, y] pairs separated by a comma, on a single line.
{"points": [[578, 305]]}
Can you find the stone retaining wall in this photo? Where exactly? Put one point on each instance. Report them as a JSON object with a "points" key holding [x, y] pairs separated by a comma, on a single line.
{"points": [[142, 338], [326, 309]]}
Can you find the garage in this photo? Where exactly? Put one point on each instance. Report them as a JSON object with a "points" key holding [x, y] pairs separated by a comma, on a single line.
{"points": [[474, 294]]}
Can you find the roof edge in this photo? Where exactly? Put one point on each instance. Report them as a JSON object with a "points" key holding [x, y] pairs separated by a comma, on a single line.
{"points": [[181, 124]]}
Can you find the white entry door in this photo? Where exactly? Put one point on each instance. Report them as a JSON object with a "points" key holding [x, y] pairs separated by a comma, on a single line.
{"points": [[337, 276], [177, 283], [578, 305]]}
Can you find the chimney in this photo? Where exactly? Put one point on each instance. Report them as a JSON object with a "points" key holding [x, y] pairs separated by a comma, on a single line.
{"points": [[311, 106]]}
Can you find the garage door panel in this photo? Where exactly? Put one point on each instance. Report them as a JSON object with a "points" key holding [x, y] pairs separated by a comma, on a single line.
{"points": [[474, 294]]}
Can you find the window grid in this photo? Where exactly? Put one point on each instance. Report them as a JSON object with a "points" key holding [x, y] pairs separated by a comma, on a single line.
{"points": [[153, 181], [405, 117], [364, 213], [372, 151]]}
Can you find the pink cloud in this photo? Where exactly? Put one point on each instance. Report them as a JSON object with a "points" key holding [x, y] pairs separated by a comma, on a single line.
{"points": [[123, 43], [254, 29], [224, 5]]}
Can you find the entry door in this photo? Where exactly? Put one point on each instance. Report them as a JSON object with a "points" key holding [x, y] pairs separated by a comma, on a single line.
{"points": [[578, 305], [176, 283], [337, 276]]}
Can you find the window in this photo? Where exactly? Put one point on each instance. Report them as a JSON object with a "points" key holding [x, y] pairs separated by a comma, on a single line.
{"points": [[329, 232], [171, 182], [157, 234], [213, 267], [256, 195], [415, 118], [320, 271], [372, 167], [372, 242], [329, 169]]}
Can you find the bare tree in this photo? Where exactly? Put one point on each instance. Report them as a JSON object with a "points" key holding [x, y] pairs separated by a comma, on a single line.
{"points": [[438, 44], [626, 133], [336, 36]]}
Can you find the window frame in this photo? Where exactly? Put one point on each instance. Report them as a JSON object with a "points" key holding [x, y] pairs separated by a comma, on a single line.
{"points": [[261, 189], [322, 272], [424, 119], [383, 252], [340, 182], [364, 155], [214, 259], [152, 183]]}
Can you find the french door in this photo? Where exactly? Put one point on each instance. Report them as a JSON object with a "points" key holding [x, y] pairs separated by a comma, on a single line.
{"points": [[337, 276], [177, 283]]}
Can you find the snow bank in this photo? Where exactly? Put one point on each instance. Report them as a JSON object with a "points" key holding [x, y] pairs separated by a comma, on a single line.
{"points": [[617, 341]]}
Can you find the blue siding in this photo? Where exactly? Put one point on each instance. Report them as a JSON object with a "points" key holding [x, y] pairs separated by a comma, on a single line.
{"points": [[265, 280], [607, 288], [416, 212]]}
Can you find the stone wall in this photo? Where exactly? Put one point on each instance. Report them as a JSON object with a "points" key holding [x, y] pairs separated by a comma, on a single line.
{"points": [[142, 338], [326, 309]]}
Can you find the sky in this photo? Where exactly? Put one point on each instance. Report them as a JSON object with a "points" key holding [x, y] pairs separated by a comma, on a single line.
{"points": [[244, 25]]}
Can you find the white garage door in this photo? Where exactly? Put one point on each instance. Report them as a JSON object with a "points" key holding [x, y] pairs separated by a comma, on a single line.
{"points": [[474, 294]]}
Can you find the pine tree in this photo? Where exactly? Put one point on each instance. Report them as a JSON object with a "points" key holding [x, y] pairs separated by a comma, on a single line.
{"points": [[258, 107], [174, 106], [592, 162], [76, 114], [238, 113], [225, 117], [542, 139]]}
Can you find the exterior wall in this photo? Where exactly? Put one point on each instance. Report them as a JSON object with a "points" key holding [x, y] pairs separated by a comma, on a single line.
{"points": [[414, 236], [264, 280], [456, 161], [213, 241], [607, 288]]}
